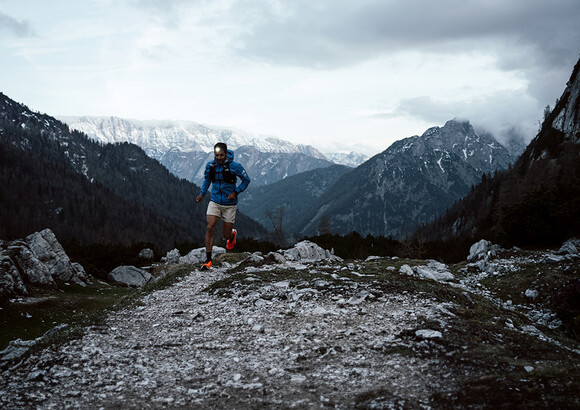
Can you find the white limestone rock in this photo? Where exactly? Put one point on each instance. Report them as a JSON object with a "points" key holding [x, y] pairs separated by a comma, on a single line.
{"points": [[308, 251]]}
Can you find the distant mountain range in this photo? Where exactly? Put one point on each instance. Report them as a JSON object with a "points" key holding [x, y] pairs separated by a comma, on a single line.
{"points": [[185, 147], [412, 182], [537, 201], [91, 192]]}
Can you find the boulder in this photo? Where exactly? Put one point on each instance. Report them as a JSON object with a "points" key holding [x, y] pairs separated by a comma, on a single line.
{"points": [[434, 270], [49, 251], [38, 260], [129, 276], [172, 256], [308, 251], [482, 250], [147, 254]]}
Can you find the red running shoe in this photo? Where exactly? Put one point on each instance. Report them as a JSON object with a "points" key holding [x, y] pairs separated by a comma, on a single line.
{"points": [[230, 243]]}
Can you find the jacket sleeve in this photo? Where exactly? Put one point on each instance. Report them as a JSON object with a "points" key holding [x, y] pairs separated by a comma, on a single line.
{"points": [[241, 172], [206, 180]]}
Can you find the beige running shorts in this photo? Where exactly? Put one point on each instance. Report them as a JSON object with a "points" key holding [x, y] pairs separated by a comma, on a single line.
{"points": [[226, 212]]}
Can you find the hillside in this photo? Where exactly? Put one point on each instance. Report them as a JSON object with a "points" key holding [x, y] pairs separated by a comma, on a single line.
{"points": [[90, 192], [537, 201], [287, 200]]}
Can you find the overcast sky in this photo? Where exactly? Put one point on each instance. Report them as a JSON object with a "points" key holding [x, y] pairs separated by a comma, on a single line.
{"points": [[337, 74]]}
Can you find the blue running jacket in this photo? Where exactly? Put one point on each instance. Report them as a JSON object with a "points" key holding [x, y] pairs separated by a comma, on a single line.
{"points": [[220, 187]]}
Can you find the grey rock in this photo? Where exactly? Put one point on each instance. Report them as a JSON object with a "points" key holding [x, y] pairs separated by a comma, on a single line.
{"points": [[531, 293], [49, 251], [570, 247], [38, 260], [147, 254], [172, 256], [434, 270], [482, 250], [273, 258], [478, 250], [308, 251], [129, 276], [428, 334], [10, 280], [33, 271]]}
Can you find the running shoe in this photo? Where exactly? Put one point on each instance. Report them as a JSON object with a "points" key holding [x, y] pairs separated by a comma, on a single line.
{"points": [[206, 265], [230, 243]]}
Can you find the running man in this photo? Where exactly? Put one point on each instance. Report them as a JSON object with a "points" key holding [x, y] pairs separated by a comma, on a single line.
{"points": [[222, 174]]}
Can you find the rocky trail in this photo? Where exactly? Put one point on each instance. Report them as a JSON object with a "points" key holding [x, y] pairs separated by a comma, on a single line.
{"points": [[272, 332]]}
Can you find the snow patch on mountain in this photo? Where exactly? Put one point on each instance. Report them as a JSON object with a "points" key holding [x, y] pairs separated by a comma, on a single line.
{"points": [[351, 159]]}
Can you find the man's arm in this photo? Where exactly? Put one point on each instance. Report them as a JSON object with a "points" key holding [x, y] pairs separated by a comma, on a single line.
{"points": [[205, 185], [241, 172]]}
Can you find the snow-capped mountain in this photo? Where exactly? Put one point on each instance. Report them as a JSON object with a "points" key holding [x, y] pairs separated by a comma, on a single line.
{"points": [[409, 184], [352, 159], [184, 146], [157, 137]]}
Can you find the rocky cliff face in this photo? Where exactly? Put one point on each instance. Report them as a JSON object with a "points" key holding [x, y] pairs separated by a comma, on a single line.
{"points": [[410, 183], [38, 260]]}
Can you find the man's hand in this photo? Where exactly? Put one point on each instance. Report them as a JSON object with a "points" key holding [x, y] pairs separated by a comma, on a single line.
{"points": [[232, 196], [199, 198]]}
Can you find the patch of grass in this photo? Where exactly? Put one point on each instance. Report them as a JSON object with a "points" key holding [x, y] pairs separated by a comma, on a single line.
{"points": [[29, 318], [542, 388], [78, 307], [547, 279]]}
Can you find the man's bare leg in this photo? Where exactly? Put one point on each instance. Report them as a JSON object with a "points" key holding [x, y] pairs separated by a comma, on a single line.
{"points": [[212, 221], [228, 226]]}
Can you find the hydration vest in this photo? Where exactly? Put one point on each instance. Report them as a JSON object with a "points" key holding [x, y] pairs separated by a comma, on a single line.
{"points": [[227, 175]]}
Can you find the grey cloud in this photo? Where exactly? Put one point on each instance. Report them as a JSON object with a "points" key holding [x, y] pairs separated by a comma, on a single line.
{"points": [[499, 113], [15, 27], [336, 33]]}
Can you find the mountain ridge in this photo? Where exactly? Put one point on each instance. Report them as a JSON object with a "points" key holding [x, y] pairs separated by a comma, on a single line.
{"points": [[408, 184], [180, 145]]}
